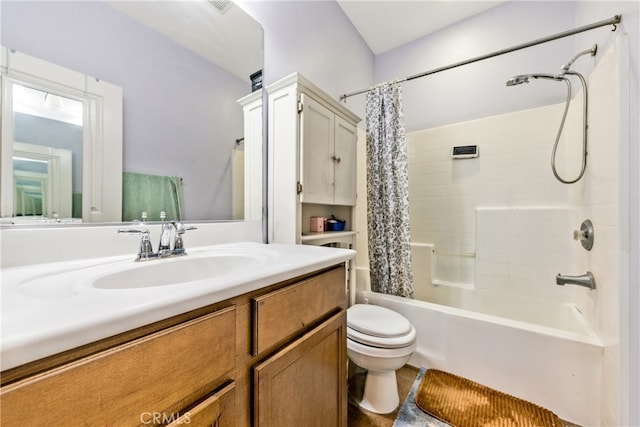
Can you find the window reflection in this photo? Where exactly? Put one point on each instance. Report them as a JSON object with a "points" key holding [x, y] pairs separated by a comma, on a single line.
{"points": [[47, 126]]}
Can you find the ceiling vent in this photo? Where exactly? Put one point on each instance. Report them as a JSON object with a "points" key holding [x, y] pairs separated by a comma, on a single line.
{"points": [[221, 5]]}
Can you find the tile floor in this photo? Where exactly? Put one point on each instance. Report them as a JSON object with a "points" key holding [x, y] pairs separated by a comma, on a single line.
{"points": [[359, 417], [406, 375]]}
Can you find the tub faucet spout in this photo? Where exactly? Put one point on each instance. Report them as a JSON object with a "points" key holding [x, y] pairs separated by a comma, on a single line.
{"points": [[587, 280]]}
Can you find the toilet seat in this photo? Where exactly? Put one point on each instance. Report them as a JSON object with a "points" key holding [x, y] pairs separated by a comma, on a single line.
{"points": [[372, 341], [380, 327]]}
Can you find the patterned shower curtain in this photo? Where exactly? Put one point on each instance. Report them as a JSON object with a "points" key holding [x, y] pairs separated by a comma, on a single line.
{"points": [[388, 193]]}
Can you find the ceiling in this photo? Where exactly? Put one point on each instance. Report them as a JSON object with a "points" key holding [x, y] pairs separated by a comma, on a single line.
{"points": [[385, 25], [200, 26]]}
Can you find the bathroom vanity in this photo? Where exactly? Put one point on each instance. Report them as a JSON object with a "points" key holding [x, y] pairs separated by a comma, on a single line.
{"points": [[273, 354]]}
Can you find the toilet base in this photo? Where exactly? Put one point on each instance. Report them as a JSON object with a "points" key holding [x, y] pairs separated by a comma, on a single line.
{"points": [[380, 392]]}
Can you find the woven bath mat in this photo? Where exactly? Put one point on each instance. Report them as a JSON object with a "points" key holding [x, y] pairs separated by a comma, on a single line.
{"points": [[463, 403]]}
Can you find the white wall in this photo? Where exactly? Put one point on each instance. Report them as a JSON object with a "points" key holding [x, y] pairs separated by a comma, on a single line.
{"points": [[479, 90], [316, 39]]}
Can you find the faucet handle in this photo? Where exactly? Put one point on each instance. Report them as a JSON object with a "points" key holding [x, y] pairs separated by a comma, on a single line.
{"points": [[181, 228], [145, 250], [178, 242], [585, 234], [165, 237]]}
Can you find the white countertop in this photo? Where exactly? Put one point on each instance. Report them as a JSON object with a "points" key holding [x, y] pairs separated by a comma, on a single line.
{"points": [[49, 308]]}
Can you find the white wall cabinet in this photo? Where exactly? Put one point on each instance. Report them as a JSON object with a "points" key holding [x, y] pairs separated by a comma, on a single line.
{"points": [[312, 160], [328, 155]]}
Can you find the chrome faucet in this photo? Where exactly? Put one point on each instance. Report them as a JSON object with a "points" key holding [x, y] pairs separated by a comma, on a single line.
{"points": [[587, 280], [167, 230], [177, 229], [164, 246]]}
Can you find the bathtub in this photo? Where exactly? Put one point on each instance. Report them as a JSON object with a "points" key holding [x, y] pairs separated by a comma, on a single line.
{"points": [[555, 364]]}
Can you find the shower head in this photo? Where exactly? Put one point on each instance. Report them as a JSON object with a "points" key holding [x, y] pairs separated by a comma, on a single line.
{"points": [[568, 65], [516, 80], [524, 78]]}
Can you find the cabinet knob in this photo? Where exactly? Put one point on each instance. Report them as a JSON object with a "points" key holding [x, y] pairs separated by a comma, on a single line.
{"points": [[336, 159]]}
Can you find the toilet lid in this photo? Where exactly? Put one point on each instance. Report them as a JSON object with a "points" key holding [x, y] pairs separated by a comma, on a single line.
{"points": [[377, 321], [401, 341]]}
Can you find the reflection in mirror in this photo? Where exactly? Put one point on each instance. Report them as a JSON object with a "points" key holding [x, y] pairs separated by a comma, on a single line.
{"points": [[47, 150], [30, 187], [42, 182], [69, 123], [182, 67]]}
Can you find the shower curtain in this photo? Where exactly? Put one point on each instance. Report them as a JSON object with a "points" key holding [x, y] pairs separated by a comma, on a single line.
{"points": [[388, 193]]}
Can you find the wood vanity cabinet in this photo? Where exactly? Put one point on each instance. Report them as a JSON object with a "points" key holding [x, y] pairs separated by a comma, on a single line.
{"points": [[272, 357], [302, 385], [304, 382], [150, 380]]}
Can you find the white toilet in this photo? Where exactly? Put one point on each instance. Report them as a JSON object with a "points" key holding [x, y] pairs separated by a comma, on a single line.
{"points": [[380, 341]]}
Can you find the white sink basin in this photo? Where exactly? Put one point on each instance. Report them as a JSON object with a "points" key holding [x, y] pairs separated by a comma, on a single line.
{"points": [[50, 308], [173, 271], [204, 265]]}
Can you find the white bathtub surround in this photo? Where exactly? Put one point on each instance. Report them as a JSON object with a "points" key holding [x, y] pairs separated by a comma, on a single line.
{"points": [[604, 199], [521, 250], [556, 369], [512, 270]]}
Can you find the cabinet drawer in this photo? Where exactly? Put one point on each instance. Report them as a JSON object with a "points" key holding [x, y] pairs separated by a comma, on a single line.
{"points": [[217, 410], [280, 315], [157, 374]]}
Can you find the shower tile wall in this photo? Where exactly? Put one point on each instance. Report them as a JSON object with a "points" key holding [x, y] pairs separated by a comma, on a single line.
{"points": [[602, 201], [512, 171], [520, 250], [509, 190]]}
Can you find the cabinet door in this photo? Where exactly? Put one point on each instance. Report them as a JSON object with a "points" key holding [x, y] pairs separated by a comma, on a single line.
{"points": [[305, 383], [316, 152], [345, 163]]}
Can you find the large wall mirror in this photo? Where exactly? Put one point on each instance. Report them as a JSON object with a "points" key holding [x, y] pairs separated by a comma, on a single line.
{"points": [[183, 69], [61, 144]]}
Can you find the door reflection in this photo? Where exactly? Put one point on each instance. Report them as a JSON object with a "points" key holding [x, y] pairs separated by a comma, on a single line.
{"points": [[47, 154]]}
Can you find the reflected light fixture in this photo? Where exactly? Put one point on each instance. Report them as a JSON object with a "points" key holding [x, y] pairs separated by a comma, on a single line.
{"points": [[53, 102]]}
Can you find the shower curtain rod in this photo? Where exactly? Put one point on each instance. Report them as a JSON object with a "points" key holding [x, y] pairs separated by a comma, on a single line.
{"points": [[612, 21]]}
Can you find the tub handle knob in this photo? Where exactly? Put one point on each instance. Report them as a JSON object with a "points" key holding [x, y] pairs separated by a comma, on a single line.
{"points": [[585, 234]]}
